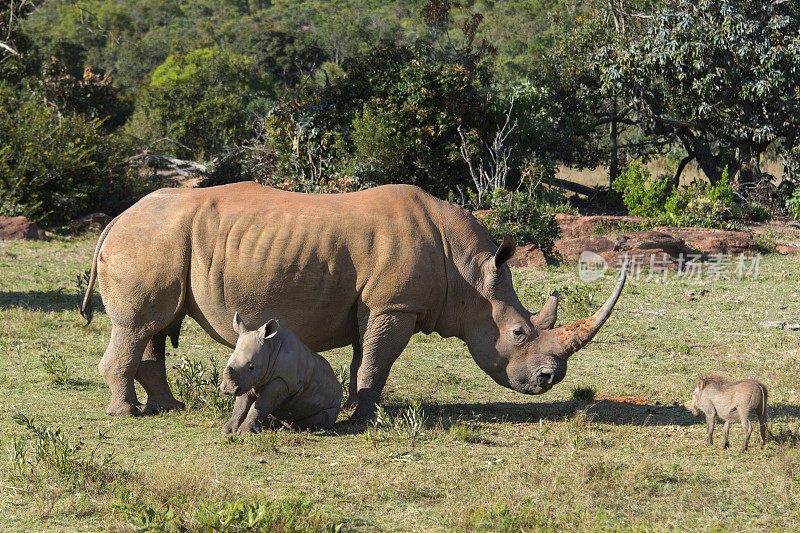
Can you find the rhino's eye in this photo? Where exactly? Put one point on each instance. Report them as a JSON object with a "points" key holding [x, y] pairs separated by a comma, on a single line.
{"points": [[252, 366], [520, 335]]}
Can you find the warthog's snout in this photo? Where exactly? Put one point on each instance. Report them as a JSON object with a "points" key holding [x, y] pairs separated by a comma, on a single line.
{"points": [[228, 385]]}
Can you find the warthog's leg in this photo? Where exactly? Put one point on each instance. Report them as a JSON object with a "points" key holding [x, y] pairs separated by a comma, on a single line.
{"points": [[711, 421], [152, 374], [725, 429], [352, 395], [745, 417], [270, 396], [240, 408], [384, 339], [118, 366]]}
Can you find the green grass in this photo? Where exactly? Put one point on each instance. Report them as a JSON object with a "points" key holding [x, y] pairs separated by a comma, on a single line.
{"points": [[457, 451]]}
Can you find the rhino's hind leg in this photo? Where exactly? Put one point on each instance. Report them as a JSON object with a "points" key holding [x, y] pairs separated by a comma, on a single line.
{"points": [[118, 366], [152, 375], [352, 394], [385, 337], [322, 420]]}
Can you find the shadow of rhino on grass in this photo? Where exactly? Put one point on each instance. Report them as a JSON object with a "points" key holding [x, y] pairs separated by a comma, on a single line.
{"points": [[46, 301]]}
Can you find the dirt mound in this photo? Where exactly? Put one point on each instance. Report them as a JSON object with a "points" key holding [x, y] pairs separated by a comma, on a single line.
{"points": [[632, 400], [19, 229], [527, 256], [579, 226], [653, 249], [714, 241]]}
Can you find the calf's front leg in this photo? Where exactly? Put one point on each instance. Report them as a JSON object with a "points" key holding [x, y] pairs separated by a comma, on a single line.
{"points": [[240, 408], [269, 397]]}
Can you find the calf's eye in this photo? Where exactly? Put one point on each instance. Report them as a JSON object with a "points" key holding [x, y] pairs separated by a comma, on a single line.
{"points": [[252, 366]]}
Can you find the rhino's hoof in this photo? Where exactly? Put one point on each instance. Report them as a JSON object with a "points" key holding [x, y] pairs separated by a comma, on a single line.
{"points": [[227, 430], [154, 407], [124, 409]]}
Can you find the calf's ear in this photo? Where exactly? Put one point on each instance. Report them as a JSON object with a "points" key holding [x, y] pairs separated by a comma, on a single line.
{"points": [[238, 324], [268, 330]]}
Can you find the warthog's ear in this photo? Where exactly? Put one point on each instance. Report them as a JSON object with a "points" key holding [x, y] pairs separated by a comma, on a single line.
{"points": [[238, 324], [505, 251], [701, 384], [268, 330]]}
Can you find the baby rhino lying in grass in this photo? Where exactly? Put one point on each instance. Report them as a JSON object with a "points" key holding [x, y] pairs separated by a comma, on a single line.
{"points": [[718, 396], [271, 372]]}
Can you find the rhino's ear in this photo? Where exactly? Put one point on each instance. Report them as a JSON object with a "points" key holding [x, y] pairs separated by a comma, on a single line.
{"points": [[238, 324], [505, 251], [268, 330]]}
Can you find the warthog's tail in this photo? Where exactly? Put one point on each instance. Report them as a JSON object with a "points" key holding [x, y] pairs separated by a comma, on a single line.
{"points": [[87, 311], [764, 397]]}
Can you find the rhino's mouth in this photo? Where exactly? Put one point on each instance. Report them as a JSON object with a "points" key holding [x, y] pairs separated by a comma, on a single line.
{"points": [[230, 389]]}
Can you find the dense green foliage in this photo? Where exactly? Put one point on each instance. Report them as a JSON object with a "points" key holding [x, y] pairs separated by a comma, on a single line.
{"points": [[698, 204], [55, 168], [203, 100]]}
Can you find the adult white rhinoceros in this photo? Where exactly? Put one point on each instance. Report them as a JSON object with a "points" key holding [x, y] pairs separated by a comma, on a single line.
{"points": [[369, 268]]}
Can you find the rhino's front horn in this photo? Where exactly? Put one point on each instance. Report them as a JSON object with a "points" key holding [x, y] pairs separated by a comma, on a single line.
{"points": [[570, 338]]}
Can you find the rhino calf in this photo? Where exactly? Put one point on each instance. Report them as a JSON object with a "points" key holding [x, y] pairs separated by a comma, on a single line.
{"points": [[717, 396], [271, 372]]}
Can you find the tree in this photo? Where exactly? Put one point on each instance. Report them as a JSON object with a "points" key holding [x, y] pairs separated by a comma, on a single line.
{"points": [[204, 100], [722, 77]]}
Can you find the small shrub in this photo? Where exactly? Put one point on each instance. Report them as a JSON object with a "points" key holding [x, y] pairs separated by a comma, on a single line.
{"points": [[47, 453], [518, 214], [343, 375], [406, 427], [583, 394], [643, 195], [463, 432], [55, 365], [197, 385]]}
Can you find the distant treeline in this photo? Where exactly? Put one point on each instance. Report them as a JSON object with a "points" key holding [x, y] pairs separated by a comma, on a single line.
{"points": [[457, 97]]}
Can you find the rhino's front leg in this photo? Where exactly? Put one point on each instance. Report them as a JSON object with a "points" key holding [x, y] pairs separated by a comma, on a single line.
{"points": [[270, 396], [240, 408], [384, 339]]}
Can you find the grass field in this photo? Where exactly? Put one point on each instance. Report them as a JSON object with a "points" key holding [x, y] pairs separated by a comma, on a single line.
{"points": [[473, 457]]}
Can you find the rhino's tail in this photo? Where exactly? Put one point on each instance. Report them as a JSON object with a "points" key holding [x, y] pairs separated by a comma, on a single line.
{"points": [[86, 309]]}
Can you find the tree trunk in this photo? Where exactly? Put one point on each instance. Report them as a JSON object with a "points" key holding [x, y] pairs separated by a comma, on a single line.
{"points": [[613, 169]]}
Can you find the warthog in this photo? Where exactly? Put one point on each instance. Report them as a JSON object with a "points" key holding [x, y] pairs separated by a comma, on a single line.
{"points": [[368, 268], [718, 396], [271, 372]]}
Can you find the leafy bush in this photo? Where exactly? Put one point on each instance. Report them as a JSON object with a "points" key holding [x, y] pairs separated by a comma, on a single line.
{"points": [[54, 168], [204, 100], [643, 196], [519, 215], [197, 385], [698, 204]]}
